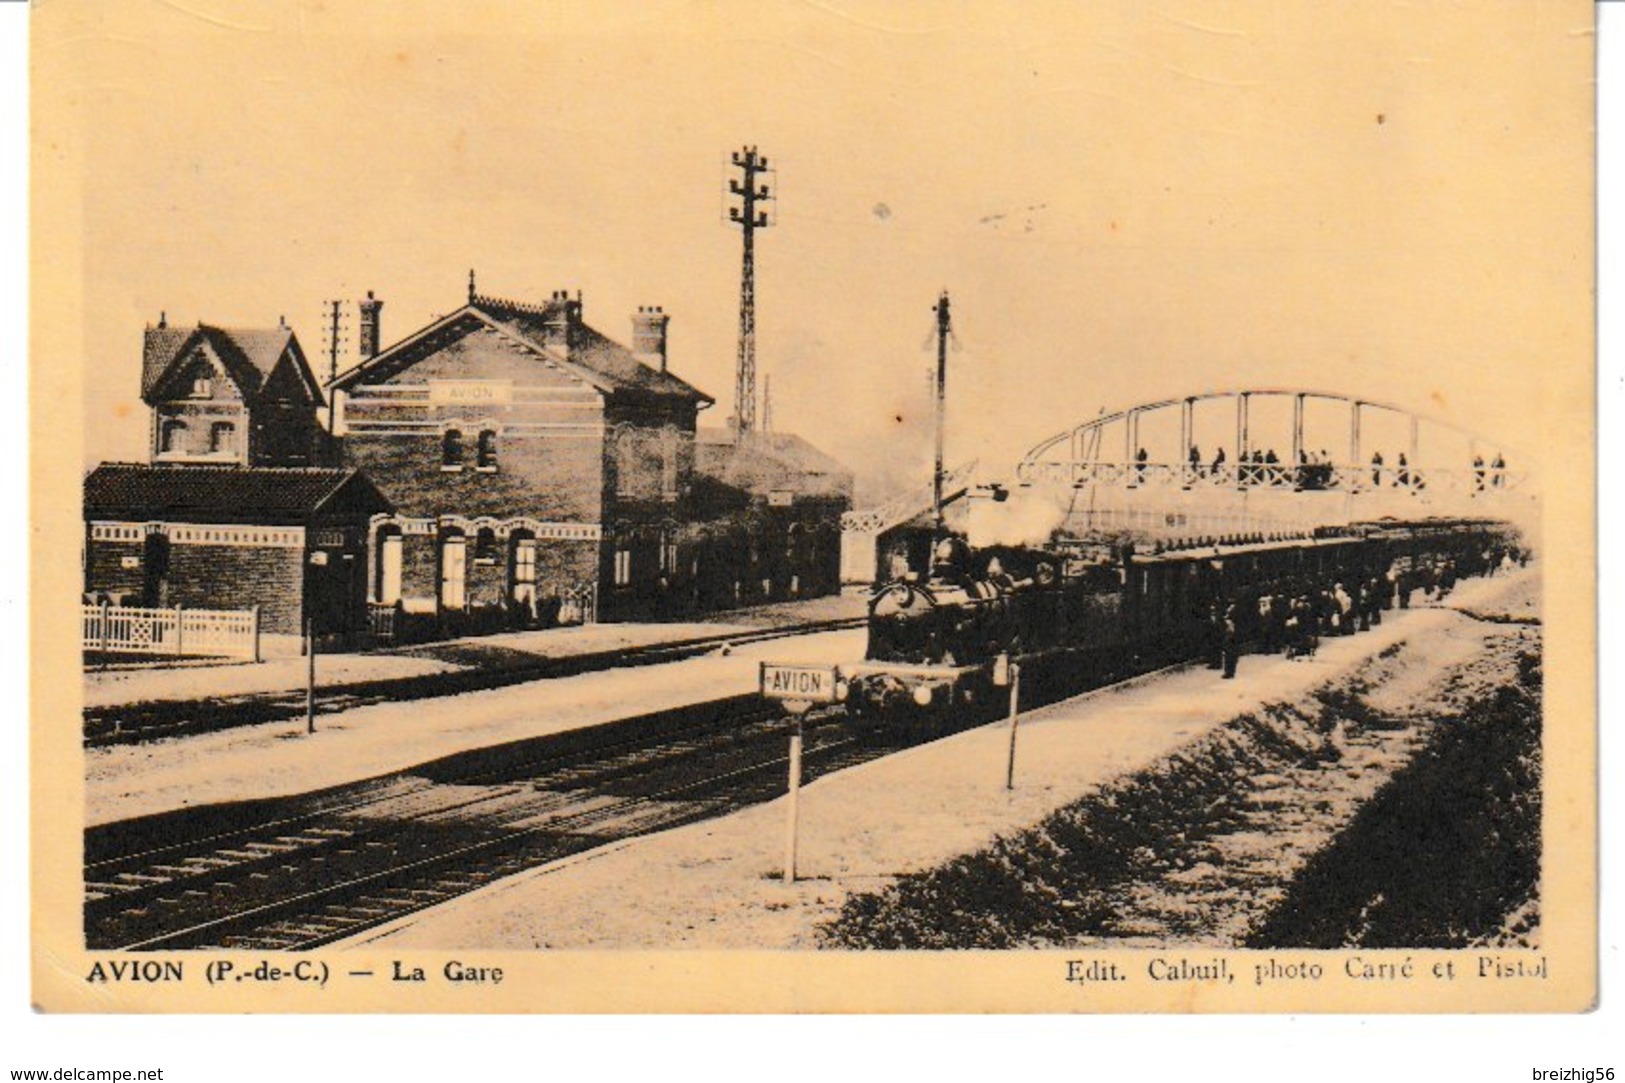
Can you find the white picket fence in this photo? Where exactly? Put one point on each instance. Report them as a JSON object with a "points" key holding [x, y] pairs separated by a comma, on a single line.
{"points": [[118, 629]]}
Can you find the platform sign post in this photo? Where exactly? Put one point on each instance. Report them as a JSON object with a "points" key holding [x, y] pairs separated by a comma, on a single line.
{"points": [[797, 688], [1006, 672], [793, 826], [310, 675]]}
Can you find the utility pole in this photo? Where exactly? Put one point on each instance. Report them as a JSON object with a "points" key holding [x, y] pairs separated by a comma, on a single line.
{"points": [[749, 219], [944, 328], [767, 403], [334, 310]]}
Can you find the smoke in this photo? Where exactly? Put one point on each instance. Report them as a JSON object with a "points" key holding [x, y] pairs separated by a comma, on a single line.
{"points": [[1027, 518]]}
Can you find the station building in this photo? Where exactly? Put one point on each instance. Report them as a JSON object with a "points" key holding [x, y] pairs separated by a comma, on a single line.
{"points": [[240, 505], [767, 520], [505, 466]]}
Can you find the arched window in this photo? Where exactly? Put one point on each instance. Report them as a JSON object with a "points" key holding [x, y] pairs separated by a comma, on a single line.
{"points": [[172, 435], [668, 550], [389, 567], [451, 450], [201, 379], [486, 451], [485, 546], [668, 466], [626, 463], [222, 437], [453, 571]]}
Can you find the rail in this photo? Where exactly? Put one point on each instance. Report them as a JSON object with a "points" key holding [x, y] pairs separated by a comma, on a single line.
{"points": [[907, 505], [1260, 475], [118, 629]]}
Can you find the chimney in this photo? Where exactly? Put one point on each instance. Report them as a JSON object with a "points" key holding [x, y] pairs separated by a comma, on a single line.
{"points": [[367, 326], [563, 321], [649, 335]]}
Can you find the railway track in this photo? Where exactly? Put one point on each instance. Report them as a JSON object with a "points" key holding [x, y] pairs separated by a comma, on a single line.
{"points": [[133, 723], [295, 873], [302, 872]]}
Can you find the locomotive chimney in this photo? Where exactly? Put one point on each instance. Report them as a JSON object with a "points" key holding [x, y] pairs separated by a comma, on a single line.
{"points": [[649, 335]]}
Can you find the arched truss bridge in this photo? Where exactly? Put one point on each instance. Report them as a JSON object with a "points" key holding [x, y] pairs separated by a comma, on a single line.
{"points": [[1107, 450]]}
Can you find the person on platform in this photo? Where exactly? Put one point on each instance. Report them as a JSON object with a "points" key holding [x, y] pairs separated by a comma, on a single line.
{"points": [[1376, 469], [1231, 644]]}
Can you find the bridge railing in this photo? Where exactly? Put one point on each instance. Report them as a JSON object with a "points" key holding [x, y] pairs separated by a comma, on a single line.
{"points": [[1307, 477], [906, 505]]}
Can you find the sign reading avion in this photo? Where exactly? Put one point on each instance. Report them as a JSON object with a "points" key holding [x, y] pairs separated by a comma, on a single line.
{"points": [[470, 392], [806, 684]]}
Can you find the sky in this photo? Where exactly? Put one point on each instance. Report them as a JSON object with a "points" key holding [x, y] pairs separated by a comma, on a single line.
{"points": [[1126, 201]]}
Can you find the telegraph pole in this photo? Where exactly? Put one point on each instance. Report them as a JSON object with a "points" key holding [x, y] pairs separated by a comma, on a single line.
{"points": [[749, 219], [944, 328], [334, 311]]}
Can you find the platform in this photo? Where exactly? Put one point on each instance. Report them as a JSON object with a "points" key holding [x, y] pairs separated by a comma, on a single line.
{"points": [[714, 885]]}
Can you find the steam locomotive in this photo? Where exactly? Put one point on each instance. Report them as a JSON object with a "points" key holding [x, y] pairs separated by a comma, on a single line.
{"points": [[1075, 618]]}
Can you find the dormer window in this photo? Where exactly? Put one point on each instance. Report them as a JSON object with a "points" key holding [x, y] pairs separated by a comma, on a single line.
{"points": [[172, 436], [485, 454], [222, 438], [202, 382], [451, 450]]}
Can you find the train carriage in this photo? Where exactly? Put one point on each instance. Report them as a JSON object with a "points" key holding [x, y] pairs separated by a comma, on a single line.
{"points": [[935, 640]]}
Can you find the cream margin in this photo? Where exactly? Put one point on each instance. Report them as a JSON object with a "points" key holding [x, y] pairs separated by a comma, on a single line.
{"points": [[746, 981]]}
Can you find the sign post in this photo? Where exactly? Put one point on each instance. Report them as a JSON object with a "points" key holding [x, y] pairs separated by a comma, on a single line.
{"points": [[797, 687], [1006, 672], [793, 827], [310, 676]]}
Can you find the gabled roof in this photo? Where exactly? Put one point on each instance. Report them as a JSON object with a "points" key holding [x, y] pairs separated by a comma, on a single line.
{"points": [[601, 361], [768, 461], [226, 494], [249, 354]]}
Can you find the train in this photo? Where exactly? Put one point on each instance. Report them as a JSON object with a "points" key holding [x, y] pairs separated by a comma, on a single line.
{"points": [[1077, 615]]}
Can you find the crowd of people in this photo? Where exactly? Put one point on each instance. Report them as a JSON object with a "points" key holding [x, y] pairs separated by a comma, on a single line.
{"points": [[1314, 470], [1294, 622]]}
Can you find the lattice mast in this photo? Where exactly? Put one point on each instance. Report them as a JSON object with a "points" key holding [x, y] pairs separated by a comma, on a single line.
{"points": [[944, 329], [749, 220], [334, 311]]}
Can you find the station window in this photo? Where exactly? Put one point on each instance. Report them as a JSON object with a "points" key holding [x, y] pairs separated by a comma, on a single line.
{"points": [[202, 382], [485, 454], [451, 450], [389, 568], [524, 562], [453, 572], [222, 437], [172, 436], [623, 566], [668, 468]]}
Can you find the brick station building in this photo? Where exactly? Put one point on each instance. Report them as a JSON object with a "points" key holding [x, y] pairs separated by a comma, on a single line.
{"points": [[767, 520], [290, 541], [506, 466], [237, 507], [538, 468]]}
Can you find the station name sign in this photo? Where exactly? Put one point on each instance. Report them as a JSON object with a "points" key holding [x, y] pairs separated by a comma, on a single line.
{"points": [[470, 392], [808, 684]]}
